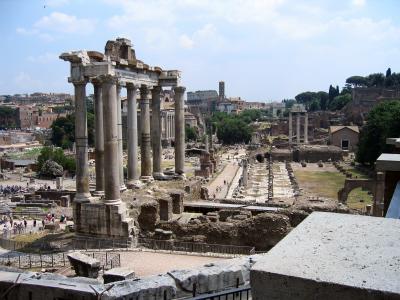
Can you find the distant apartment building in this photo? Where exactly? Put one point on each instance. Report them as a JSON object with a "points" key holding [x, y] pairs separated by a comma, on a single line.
{"points": [[40, 98], [255, 105], [30, 116]]}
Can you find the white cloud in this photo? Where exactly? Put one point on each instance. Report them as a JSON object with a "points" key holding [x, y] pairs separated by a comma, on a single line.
{"points": [[59, 23], [358, 3], [186, 42]]}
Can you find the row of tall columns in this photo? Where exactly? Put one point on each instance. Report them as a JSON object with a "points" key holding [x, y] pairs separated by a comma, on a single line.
{"points": [[169, 126], [108, 135], [298, 132]]}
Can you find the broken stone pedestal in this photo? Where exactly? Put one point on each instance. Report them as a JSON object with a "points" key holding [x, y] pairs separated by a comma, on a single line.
{"points": [[177, 201], [98, 220], [84, 265], [165, 209], [118, 274], [59, 183], [65, 201]]}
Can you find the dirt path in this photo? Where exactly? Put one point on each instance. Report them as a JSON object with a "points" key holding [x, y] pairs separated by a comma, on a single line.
{"points": [[151, 263]]}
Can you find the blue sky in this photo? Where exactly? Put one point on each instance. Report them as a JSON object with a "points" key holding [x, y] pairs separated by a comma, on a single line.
{"points": [[263, 49]]}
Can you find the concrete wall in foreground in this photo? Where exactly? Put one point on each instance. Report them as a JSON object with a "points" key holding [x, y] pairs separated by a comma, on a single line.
{"points": [[173, 285]]}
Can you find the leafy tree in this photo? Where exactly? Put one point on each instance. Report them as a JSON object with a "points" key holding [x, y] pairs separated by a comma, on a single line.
{"points": [[57, 155], [234, 131], [339, 102], [383, 122], [8, 117], [332, 93], [191, 133], [63, 131], [388, 72], [323, 100], [376, 80], [357, 81], [289, 103]]}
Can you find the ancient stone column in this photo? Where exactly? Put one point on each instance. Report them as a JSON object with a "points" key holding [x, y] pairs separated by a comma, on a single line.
{"points": [[145, 146], [298, 128], [99, 138], [111, 150], [81, 141], [179, 130], [156, 131], [290, 128], [120, 142], [133, 172], [306, 128], [245, 176]]}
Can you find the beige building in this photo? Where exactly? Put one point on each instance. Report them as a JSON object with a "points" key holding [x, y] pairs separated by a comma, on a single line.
{"points": [[344, 137]]}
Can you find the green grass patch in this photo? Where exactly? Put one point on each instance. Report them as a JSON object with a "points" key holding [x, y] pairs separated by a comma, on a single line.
{"points": [[328, 183], [28, 154]]}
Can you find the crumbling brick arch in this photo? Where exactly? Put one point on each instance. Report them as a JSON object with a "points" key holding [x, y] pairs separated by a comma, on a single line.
{"points": [[376, 186], [351, 184]]}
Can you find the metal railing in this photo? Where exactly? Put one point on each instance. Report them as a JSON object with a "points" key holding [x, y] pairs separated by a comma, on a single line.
{"points": [[107, 260], [90, 244], [242, 293], [171, 245]]}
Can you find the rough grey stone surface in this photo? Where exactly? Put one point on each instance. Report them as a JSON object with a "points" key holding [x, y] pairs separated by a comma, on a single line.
{"points": [[213, 277], [118, 274], [84, 265], [332, 256], [153, 287]]}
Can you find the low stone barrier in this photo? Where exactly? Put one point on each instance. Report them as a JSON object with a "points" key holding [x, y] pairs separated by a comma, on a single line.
{"points": [[209, 278]]}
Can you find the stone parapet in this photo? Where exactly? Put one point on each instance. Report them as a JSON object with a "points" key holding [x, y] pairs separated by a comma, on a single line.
{"points": [[213, 277]]}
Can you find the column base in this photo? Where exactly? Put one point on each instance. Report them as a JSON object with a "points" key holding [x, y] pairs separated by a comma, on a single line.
{"points": [[146, 179], [180, 176], [113, 202], [134, 184], [82, 197], [98, 193], [159, 176]]}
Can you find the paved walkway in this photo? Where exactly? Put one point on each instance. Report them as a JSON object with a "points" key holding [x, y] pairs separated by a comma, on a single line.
{"points": [[231, 160], [217, 187]]}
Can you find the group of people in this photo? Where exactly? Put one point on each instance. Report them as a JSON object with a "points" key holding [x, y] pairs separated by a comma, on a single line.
{"points": [[11, 189], [19, 227]]}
